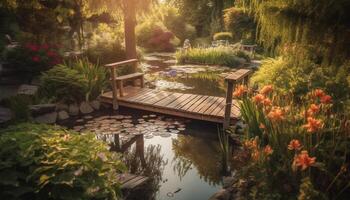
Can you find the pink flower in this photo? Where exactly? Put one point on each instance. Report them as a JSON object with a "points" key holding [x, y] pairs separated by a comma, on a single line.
{"points": [[44, 46], [51, 54]]}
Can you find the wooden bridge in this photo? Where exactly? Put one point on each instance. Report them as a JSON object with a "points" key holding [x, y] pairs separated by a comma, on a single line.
{"points": [[200, 107]]}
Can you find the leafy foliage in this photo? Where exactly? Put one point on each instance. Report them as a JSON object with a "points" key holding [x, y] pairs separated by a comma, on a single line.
{"points": [[48, 162], [211, 56], [75, 81], [289, 78]]}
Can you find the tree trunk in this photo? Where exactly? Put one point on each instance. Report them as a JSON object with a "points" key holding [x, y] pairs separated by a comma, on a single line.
{"points": [[130, 23]]}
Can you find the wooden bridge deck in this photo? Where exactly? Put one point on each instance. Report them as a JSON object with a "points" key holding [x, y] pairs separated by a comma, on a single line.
{"points": [[200, 107]]}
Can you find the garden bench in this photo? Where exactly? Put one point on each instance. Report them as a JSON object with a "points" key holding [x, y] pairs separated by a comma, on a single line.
{"points": [[239, 76], [118, 81]]}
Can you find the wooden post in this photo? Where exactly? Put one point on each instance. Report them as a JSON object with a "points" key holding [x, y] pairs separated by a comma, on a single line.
{"points": [[114, 89], [228, 105], [129, 26]]}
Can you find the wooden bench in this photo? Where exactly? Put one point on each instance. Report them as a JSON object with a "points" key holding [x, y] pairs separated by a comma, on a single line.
{"points": [[118, 82], [239, 76]]}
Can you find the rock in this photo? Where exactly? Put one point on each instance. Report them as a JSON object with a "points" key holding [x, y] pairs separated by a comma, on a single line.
{"points": [[62, 106], [73, 109], [5, 115], [41, 109], [63, 115], [48, 118], [96, 104], [85, 108], [27, 89], [221, 195]]}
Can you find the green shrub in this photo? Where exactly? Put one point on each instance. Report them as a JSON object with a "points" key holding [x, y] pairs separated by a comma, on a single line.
{"points": [[212, 56], [297, 77], [74, 81], [104, 45], [48, 162], [223, 36]]}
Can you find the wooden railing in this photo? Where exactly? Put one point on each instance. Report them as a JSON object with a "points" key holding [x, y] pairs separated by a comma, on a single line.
{"points": [[112, 67]]}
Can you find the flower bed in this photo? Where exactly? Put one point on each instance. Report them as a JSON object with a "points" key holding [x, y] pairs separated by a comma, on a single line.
{"points": [[293, 150]]}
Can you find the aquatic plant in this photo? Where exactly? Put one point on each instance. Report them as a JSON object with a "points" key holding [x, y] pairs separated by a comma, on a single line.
{"points": [[294, 142], [224, 56], [49, 162]]}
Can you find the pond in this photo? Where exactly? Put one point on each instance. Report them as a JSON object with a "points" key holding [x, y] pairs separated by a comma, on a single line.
{"points": [[182, 157]]}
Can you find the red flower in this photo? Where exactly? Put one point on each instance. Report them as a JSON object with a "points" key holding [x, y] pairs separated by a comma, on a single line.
{"points": [[319, 93], [36, 58], [326, 99]]}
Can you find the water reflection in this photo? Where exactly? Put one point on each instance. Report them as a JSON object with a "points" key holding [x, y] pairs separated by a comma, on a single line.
{"points": [[200, 153], [149, 163]]}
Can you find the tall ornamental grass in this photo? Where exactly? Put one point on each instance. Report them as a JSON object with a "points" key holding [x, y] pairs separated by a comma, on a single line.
{"points": [[224, 56], [294, 151]]}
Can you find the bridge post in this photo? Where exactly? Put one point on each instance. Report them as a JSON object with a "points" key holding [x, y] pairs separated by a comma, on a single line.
{"points": [[228, 104], [114, 89]]}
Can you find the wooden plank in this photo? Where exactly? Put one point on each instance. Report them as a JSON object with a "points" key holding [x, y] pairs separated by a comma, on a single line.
{"points": [[136, 93], [197, 103], [122, 63], [214, 106], [129, 76], [141, 96], [155, 98], [179, 100], [218, 109], [201, 105], [132, 184], [185, 102], [190, 103], [123, 178], [238, 75], [210, 101], [169, 99]]}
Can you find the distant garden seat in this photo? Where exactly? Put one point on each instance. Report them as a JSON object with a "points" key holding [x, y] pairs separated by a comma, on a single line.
{"points": [[118, 81]]}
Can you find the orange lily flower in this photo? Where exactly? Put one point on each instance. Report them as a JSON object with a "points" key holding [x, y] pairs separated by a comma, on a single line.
{"points": [[294, 145], [266, 89], [267, 102], [276, 114], [259, 98], [303, 160], [268, 150], [239, 91], [313, 125], [262, 126], [319, 93], [313, 109]]}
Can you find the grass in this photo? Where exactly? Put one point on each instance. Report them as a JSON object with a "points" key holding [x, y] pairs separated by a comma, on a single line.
{"points": [[223, 56]]}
